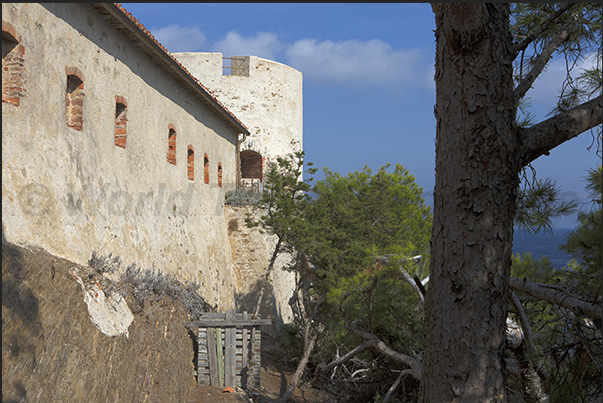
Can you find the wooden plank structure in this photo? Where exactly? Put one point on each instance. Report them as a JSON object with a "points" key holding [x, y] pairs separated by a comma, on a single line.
{"points": [[229, 346]]}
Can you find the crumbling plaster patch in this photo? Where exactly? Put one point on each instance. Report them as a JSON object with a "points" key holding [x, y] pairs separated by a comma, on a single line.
{"points": [[111, 315]]}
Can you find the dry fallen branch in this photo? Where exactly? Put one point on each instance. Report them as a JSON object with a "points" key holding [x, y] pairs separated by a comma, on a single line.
{"points": [[414, 363], [396, 384], [323, 367], [527, 331], [556, 297], [412, 283]]}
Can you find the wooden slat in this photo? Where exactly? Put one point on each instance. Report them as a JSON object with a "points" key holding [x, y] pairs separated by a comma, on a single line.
{"points": [[214, 379], [253, 377], [213, 315], [220, 351], [230, 351], [201, 364], [244, 358], [245, 347], [227, 322]]}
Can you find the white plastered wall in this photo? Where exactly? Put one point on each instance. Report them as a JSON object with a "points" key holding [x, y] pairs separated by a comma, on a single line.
{"points": [[72, 192], [269, 101]]}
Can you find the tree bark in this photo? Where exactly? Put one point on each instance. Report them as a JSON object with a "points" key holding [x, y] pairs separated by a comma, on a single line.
{"points": [[477, 176], [479, 155]]}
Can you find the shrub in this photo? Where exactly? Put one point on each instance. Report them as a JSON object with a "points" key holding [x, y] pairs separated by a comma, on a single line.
{"points": [[150, 285], [104, 263], [238, 197]]}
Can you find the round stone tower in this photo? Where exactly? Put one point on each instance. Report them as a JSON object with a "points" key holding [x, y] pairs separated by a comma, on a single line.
{"points": [[265, 95]]}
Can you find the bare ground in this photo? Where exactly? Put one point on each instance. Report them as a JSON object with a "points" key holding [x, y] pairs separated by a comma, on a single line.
{"points": [[52, 352]]}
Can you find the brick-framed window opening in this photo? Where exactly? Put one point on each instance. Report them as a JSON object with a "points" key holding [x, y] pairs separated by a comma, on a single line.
{"points": [[252, 165], [190, 162], [13, 65], [219, 174], [205, 168], [74, 98], [171, 153], [121, 120]]}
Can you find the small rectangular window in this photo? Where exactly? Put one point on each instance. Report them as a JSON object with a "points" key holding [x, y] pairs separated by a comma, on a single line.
{"points": [[121, 120], [219, 174], [74, 98], [205, 168], [191, 162], [171, 153]]}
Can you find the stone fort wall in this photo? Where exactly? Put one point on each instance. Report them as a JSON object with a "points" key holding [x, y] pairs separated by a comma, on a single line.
{"points": [[268, 97], [102, 150]]}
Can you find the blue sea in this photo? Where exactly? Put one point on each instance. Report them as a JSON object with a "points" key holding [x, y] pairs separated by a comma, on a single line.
{"points": [[543, 244]]}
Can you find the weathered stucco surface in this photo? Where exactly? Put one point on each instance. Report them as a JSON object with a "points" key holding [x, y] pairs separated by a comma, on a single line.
{"points": [[254, 249], [72, 192], [268, 100]]}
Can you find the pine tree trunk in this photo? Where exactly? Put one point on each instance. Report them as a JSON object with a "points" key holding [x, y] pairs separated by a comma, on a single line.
{"points": [[477, 174]]}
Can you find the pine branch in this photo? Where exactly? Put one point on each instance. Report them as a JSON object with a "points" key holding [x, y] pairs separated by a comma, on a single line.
{"points": [[546, 135], [518, 47], [309, 342], [541, 61]]}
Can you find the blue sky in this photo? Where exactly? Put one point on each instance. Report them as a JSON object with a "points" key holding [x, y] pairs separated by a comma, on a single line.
{"points": [[368, 79]]}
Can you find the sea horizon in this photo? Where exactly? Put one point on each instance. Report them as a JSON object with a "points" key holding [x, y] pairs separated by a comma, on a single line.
{"points": [[543, 243]]}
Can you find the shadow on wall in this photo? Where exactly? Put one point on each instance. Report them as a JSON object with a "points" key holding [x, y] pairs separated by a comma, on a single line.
{"points": [[247, 302]]}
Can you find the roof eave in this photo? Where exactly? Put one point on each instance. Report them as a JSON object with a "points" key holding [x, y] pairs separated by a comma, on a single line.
{"points": [[116, 16]]}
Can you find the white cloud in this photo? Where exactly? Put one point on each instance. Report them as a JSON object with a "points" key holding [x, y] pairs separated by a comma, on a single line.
{"points": [[264, 44], [180, 39], [350, 63], [357, 63]]}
